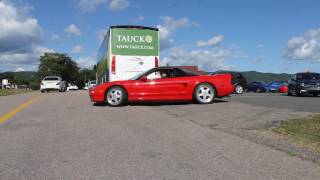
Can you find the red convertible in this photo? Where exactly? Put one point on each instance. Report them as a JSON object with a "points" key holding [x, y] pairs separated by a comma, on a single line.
{"points": [[164, 84]]}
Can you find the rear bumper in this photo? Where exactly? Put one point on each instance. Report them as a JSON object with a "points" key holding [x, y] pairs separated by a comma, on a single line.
{"points": [[51, 87]]}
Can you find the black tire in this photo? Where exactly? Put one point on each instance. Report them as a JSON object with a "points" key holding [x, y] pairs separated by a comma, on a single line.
{"points": [[238, 89], [258, 90], [42, 91], [289, 93], [315, 95], [207, 96], [116, 96]]}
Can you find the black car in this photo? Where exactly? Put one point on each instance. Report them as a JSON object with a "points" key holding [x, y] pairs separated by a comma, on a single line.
{"points": [[238, 80], [304, 83]]}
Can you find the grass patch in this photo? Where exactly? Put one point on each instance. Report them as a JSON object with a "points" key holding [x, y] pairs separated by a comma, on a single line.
{"points": [[305, 131], [7, 92]]}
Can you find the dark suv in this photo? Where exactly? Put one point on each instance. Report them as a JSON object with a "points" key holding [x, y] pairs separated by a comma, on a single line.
{"points": [[238, 80], [304, 83]]}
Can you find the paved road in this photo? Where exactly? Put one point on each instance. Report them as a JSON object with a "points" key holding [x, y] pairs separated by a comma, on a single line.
{"points": [[282, 101], [62, 136]]}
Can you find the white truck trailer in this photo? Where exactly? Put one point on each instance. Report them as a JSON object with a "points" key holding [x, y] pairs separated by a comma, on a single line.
{"points": [[127, 51]]}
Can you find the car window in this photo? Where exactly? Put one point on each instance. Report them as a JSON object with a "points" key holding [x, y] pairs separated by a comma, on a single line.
{"points": [[159, 74], [308, 76], [178, 73]]}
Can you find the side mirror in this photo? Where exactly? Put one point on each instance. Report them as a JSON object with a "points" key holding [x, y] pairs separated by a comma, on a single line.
{"points": [[144, 78]]}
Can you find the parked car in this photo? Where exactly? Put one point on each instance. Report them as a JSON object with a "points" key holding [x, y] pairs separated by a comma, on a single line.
{"points": [[238, 80], [52, 83], [92, 84], [258, 87], [72, 87], [274, 86], [304, 83], [283, 89], [164, 84], [86, 87]]}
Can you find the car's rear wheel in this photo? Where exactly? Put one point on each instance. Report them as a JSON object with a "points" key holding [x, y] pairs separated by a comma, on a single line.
{"points": [[239, 89], [204, 93], [116, 96]]}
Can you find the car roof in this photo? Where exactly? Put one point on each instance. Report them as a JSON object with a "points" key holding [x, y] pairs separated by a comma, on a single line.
{"points": [[308, 73]]}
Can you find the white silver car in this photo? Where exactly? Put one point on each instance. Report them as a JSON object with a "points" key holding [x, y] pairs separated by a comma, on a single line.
{"points": [[72, 87], [50, 83], [92, 84]]}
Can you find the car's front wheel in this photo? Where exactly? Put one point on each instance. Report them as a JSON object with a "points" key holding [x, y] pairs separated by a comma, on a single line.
{"points": [[116, 96], [204, 93], [239, 89]]}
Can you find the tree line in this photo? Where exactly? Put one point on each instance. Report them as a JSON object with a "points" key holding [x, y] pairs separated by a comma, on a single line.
{"points": [[53, 64]]}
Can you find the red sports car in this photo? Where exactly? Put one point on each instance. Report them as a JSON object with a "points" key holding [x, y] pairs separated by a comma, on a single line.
{"points": [[283, 89], [164, 84]]}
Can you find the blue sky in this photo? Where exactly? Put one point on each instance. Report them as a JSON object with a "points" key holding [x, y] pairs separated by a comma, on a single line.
{"points": [[264, 35]]}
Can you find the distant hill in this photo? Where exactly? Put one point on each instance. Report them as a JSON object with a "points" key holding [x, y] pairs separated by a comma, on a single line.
{"points": [[266, 77]]}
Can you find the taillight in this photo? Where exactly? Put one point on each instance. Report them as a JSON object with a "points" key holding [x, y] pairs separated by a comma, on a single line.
{"points": [[156, 62], [113, 65]]}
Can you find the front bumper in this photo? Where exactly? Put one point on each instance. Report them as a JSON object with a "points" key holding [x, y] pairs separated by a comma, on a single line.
{"points": [[96, 96], [310, 90]]}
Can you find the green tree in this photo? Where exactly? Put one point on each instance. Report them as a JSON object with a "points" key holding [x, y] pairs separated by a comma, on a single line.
{"points": [[57, 64], [85, 75]]}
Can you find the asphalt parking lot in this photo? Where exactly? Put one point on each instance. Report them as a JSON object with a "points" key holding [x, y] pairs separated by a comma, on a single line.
{"points": [[63, 136], [281, 101]]}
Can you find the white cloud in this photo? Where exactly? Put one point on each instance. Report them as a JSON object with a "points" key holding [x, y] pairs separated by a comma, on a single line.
{"points": [[168, 26], [20, 38], [55, 37], [86, 62], [214, 41], [304, 47], [19, 69], [91, 5], [77, 49], [139, 18], [18, 31], [208, 60], [116, 5], [73, 30]]}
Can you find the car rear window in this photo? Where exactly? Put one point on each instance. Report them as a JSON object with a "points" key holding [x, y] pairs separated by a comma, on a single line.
{"points": [[51, 79]]}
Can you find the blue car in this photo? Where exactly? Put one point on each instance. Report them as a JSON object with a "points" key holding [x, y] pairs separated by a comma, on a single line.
{"points": [[258, 87], [274, 86]]}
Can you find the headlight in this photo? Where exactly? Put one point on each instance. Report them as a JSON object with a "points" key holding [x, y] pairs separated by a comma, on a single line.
{"points": [[302, 84]]}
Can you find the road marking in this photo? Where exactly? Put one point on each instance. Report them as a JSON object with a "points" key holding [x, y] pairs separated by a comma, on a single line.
{"points": [[16, 110]]}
